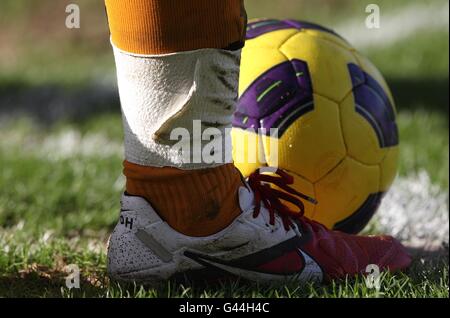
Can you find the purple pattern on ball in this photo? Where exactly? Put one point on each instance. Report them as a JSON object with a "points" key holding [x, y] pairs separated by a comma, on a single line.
{"points": [[374, 105], [262, 27], [276, 98]]}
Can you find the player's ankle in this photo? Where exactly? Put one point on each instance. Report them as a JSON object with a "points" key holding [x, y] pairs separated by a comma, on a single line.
{"points": [[193, 202]]}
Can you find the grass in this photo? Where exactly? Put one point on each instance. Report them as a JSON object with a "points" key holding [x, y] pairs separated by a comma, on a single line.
{"points": [[60, 183], [37, 269], [429, 61], [60, 211], [417, 152]]}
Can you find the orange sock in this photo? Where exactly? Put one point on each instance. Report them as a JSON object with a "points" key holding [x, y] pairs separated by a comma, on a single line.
{"points": [[167, 26], [194, 202]]}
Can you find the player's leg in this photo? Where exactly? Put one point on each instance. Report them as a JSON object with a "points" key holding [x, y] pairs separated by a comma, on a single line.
{"points": [[178, 62], [161, 92]]}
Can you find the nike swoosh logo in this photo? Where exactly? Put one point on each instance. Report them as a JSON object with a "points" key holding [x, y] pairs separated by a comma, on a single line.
{"points": [[311, 271]]}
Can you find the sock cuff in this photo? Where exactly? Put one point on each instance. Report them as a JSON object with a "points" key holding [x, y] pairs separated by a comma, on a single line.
{"points": [[164, 174], [193, 202], [167, 26]]}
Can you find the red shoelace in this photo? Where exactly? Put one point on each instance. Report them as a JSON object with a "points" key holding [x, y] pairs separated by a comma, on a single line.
{"points": [[271, 197]]}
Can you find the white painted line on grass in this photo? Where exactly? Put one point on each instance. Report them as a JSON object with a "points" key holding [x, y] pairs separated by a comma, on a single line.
{"points": [[415, 211], [71, 143]]}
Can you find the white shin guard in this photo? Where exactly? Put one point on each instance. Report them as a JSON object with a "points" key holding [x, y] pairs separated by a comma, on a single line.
{"points": [[177, 108]]}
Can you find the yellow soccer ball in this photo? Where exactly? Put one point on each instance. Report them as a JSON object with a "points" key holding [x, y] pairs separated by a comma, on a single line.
{"points": [[334, 114]]}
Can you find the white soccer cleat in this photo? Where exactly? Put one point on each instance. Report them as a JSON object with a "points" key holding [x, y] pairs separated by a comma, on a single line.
{"points": [[145, 248], [261, 244]]}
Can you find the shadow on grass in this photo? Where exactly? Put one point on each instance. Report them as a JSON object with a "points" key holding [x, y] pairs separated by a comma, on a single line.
{"points": [[428, 262], [52, 284], [52, 103], [429, 94], [48, 284]]}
